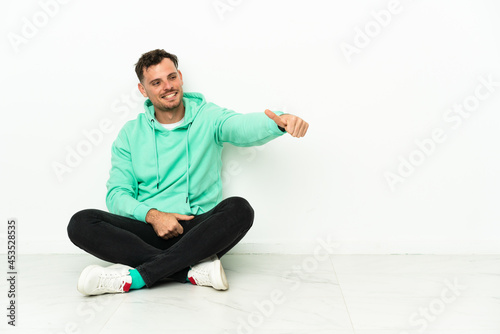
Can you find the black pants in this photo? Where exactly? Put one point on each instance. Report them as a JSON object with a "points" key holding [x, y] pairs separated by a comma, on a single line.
{"points": [[127, 241]]}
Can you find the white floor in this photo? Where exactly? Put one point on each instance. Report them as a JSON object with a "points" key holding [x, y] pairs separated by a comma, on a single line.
{"points": [[343, 294]]}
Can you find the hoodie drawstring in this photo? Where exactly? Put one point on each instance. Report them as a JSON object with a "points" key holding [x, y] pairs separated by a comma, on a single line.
{"points": [[156, 156], [187, 159], [187, 162]]}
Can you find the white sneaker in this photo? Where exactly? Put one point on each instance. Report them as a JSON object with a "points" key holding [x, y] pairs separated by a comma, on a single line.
{"points": [[97, 280], [209, 272]]}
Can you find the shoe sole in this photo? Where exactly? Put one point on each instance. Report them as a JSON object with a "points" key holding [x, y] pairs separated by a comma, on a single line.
{"points": [[221, 282], [83, 278]]}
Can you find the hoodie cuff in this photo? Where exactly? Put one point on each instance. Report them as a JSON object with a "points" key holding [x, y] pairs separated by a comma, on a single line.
{"points": [[141, 211], [273, 127]]}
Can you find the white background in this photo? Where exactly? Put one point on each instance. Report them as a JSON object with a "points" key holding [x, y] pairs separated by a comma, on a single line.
{"points": [[75, 70]]}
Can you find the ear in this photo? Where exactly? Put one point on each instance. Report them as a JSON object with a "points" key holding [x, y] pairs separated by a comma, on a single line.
{"points": [[142, 89], [180, 76]]}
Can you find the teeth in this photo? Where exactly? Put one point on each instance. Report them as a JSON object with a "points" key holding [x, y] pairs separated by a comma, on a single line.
{"points": [[170, 95]]}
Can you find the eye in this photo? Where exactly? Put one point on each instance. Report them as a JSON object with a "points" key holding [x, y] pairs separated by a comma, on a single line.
{"points": [[173, 77]]}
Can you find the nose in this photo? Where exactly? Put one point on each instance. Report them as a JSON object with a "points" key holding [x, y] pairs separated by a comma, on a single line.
{"points": [[167, 86]]}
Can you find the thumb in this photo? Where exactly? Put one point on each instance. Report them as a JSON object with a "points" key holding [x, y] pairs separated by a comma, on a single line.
{"points": [[182, 217], [180, 229], [275, 118]]}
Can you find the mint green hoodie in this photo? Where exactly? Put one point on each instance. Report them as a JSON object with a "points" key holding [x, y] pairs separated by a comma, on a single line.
{"points": [[178, 171]]}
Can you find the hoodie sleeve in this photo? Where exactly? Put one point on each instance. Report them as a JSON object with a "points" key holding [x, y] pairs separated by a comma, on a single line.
{"points": [[122, 183], [251, 129]]}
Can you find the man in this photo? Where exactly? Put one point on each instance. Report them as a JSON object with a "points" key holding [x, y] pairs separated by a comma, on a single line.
{"points": [[167, 219]]}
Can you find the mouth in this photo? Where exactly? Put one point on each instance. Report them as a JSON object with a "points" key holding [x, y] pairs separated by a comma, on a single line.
{"points": [[170, 96]]}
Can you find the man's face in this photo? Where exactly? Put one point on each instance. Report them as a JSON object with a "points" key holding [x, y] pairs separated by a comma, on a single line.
{"points": [[162, 84]]}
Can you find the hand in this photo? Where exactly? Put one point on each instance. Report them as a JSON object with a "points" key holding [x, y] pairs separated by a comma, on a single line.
{"points": [[166, 225], [294, 125]]}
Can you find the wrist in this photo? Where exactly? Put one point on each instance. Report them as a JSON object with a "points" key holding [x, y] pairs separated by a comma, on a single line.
{"points": [[152, 216]]}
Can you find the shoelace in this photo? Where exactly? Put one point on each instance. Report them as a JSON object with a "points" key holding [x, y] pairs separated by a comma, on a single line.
{"points": [[113, 282]]}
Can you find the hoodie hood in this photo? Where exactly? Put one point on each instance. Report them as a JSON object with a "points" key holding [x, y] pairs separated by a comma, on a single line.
{"points": [[193, 102]]}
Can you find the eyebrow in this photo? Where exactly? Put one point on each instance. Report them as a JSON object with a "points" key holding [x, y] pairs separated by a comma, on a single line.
{"points": [[170, 74]]}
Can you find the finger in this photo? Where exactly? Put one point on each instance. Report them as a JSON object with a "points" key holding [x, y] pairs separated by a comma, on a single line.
{"points": [[302, 129], [294, 130], [291, 126], [299, 125], [182, 217], [275, 118], [171, 235], [180, 229], [271, 115], [159, 233]]}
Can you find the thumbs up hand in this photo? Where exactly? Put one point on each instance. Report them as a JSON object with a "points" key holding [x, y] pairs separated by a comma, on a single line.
{"points": [[294, 125]]}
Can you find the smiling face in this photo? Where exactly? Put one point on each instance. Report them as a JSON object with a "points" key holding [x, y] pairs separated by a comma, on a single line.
{"points": [[162, 84]]}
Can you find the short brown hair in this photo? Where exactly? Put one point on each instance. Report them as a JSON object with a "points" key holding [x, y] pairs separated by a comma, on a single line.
{"points": [[152, 58]]}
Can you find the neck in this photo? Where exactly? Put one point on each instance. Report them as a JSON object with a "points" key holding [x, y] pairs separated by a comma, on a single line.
{"points": [[170, 116]]}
